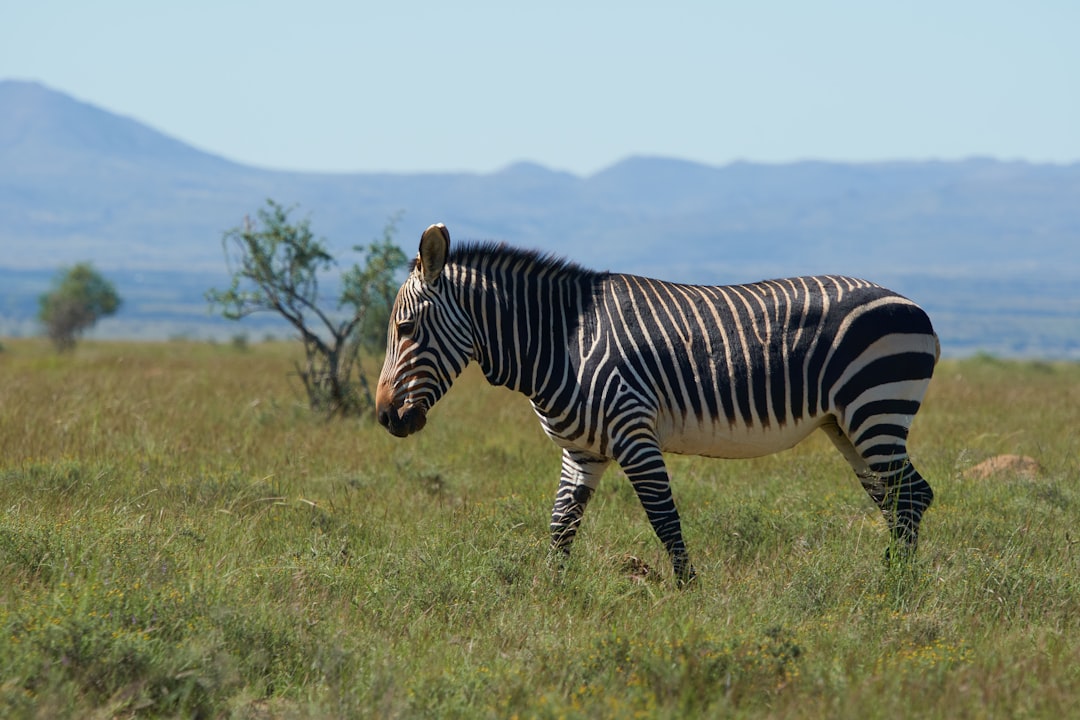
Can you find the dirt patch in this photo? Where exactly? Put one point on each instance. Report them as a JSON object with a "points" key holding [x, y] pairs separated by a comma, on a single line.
{"points": [[998, 465]]}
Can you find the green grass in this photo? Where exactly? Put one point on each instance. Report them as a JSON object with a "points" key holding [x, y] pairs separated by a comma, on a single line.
{"points": [[179, 537]]}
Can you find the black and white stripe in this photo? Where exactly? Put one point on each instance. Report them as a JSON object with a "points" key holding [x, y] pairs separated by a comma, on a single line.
{"points": [[624, 368]]}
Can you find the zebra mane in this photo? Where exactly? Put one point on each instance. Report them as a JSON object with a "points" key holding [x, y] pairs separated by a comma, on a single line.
{"points": [[498, 254]]}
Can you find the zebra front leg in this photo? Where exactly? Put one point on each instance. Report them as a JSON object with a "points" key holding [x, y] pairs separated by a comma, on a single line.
{"points": [[644, 466], [580, 475]]}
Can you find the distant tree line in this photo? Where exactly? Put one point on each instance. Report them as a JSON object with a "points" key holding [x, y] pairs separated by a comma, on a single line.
{"points": [[276, 265]]}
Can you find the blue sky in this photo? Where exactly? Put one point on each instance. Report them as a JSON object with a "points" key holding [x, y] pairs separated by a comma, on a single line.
{"points": [[434, 86]]}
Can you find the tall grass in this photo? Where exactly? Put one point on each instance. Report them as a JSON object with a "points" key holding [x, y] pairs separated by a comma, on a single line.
{"points": [[179, 536]]}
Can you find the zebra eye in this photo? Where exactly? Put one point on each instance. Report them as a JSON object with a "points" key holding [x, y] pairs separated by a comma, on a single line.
{"points": [[406, 327]]}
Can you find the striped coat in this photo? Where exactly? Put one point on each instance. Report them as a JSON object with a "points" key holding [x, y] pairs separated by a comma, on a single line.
{"points": [[624, 368]]}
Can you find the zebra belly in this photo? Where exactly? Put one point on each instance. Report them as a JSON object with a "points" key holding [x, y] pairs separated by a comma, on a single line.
{"points": [[723, 440]]}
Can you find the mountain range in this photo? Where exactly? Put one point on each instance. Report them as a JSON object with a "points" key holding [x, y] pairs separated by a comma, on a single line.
{"points": [[991, 248]]}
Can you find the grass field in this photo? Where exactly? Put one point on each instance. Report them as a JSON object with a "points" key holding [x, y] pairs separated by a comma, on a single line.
{"points": [[179, 537]]}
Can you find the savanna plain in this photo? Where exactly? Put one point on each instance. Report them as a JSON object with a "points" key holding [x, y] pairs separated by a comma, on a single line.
{"points": [[181, 537]]}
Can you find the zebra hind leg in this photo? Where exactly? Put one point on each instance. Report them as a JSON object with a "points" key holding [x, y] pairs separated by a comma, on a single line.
{"points": [[895, 486], [903, 496]]}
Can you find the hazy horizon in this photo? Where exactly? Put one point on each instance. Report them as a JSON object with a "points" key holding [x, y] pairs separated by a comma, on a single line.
{"points": [[422, 87]]}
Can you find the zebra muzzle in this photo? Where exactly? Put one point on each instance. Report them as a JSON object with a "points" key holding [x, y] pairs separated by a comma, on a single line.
{"points": [[402, 422]]}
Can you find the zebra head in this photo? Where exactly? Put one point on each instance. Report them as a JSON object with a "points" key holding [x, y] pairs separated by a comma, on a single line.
{"points": [[428, 342]]}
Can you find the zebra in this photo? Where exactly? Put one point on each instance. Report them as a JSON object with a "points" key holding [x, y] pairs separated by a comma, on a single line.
{"points": [[624, 368]]}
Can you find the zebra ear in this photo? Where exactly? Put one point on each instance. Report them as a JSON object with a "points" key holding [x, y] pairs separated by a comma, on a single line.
{"points": [[434, 247]]}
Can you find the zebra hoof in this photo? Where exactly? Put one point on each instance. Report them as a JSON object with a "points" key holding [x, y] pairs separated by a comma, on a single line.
{"points": [[899, 554], [558, 557], [686, 577]]}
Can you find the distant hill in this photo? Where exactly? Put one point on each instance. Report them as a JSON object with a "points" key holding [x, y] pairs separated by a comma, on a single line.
{"points": [[992, 248]]}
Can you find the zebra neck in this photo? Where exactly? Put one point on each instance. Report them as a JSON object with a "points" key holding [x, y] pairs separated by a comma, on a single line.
{"points": [[521, 324]]}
